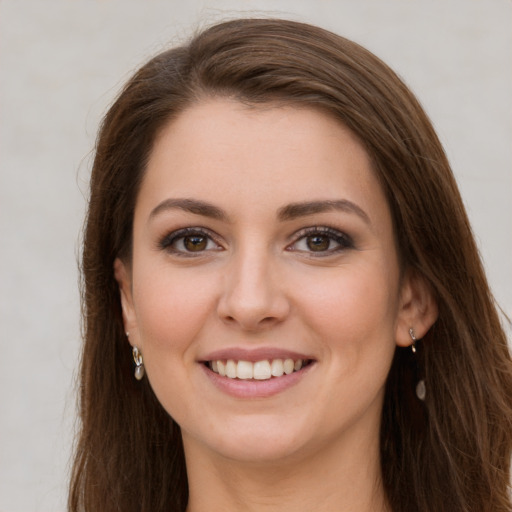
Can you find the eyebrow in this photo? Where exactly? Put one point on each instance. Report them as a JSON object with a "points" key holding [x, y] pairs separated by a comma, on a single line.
{"points": [[295, 210], [288, 212], [190, 205]]}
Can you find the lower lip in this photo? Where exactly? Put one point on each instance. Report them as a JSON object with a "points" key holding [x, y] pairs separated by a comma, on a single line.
{"points": [[239, 388]]}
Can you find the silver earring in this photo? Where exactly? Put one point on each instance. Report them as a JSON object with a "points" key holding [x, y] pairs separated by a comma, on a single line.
{"points": [[411, 334], [421, 389], [139, 363]]}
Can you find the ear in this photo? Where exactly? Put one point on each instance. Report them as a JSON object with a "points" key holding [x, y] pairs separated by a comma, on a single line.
{"points": [[122, 275], [417, 308]]}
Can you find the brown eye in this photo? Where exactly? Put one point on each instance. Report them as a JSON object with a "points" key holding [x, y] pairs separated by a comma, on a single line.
{"points": [[195, 243], [189, 242], [318, 242], [321, 241]]}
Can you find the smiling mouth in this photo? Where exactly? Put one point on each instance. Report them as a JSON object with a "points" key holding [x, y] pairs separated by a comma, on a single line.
{"points": [[259, 370]]}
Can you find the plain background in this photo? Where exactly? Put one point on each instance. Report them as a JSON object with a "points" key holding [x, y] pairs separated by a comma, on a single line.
{"points": [[61, 64]]}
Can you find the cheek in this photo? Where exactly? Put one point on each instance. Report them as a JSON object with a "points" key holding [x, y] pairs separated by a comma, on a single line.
{"points": [[353, 312], [171, 308], [357, 296]]}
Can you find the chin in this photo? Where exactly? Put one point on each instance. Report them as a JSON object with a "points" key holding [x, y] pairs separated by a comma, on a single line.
{"points": [[259, 450], [250, 442]]}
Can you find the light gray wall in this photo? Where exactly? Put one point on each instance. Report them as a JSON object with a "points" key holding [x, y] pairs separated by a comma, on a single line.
{"points": [[61, 62]]}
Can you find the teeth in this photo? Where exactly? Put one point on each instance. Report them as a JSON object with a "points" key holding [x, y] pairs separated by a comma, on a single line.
{"points": [[244, 370], [231, 369], [260, 370], [288, 366], [276, 368]]}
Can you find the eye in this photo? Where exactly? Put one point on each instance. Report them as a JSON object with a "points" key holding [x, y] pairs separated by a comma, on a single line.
{"points": [[189, 242], [321, 241]]}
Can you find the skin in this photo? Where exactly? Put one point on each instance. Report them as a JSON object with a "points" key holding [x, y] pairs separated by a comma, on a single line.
{"points": [[258, 280]]}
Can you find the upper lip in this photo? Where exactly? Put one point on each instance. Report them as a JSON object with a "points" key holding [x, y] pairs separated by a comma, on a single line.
{"points": [[253, 355]]}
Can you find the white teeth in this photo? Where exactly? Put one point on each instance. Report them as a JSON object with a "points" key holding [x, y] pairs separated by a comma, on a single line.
{"points": [[231, 369], [288, 366], [276, 368], [244, 370], [260, 370]]}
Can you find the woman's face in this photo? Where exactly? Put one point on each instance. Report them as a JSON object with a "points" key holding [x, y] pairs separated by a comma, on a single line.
{"points": [[262, 236]]}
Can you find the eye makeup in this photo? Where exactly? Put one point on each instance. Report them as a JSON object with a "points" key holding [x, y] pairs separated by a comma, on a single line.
{"points": [[190, 242], [320, 241], [315, 241]]}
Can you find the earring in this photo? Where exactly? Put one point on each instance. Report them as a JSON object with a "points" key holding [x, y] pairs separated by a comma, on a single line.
{"points": [[411, 334], [139, 363], [421, 389]]}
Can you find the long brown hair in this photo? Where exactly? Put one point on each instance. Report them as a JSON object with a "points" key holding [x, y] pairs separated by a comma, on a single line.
{"points": [[450, 453]]}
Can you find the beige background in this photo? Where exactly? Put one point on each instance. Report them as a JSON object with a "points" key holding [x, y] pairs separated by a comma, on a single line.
{"points": [[61, 62]]}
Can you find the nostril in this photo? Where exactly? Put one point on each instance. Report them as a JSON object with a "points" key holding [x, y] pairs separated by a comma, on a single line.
{"points": [[252, 310]]}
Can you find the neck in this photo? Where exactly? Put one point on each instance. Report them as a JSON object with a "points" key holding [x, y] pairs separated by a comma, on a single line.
{"points": [[343, 477]]}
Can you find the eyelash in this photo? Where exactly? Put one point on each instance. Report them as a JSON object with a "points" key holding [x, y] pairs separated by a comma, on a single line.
{"points": [[169, 242], [343, 241]]}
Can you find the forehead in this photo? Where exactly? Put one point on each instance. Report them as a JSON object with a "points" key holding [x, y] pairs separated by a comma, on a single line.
{"points": [[225, 151]]}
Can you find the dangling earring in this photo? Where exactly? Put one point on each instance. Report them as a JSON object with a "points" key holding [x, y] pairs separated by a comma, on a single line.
{"points": [[139, 363], [421, 389]]}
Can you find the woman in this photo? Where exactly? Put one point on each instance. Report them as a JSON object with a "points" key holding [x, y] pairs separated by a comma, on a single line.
{"points": [[284, 305]]}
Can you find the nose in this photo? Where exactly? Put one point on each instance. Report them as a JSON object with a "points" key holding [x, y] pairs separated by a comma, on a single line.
{"points": [[253, 297]]}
